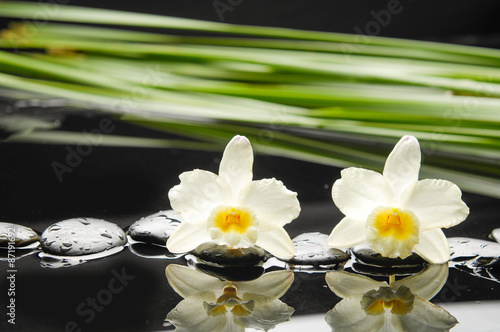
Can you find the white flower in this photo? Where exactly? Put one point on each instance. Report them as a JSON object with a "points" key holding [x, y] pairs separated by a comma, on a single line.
{"points": [[394, 212], [403, 305], [231, 209], [211, 304]]}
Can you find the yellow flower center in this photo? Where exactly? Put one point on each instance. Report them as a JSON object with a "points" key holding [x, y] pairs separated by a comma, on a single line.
{"points": [[392, 232], [232, 219], [399, 302], [395, 222], [229, 301]]}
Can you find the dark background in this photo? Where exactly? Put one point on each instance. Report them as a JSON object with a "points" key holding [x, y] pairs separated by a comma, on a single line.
{"points": [[123, 184]]}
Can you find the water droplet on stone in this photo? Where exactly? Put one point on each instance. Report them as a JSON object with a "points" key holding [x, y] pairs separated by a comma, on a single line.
{"points": [[94, 235], [85, 222], [64, 249], [54, 228], [155, 228]]}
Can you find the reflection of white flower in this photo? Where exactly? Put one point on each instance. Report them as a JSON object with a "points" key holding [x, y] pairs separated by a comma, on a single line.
{"points": [[394, 212], [403, 305], [231, 209], [213, 305]]}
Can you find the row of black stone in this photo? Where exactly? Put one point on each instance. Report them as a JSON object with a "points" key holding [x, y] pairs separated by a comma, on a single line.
{"points": [[85, 236]]}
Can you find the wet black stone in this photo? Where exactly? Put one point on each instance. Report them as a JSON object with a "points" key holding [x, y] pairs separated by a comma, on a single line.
{"points": [[312, 249], [218, 254], [155, 228], [476, 252], [82, 236], [23, 236], [366, 255]]}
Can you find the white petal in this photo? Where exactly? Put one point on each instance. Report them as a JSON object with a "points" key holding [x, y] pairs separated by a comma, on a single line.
{"points": [[433, 247], [346, 284], [437, 203], [190, 316], [271, 284], [425, 316], [347, 233], [233, 325], [403, 164], [197, 194], [348, 316], [187, 236], [271, 201], [236, 164], [359, 191], [188, 282], [277, 242], [426, 284]]}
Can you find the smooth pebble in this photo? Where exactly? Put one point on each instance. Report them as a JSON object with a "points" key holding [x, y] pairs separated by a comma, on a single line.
{"points": [[222, 255], [365, 254], [82, 236], [23, 236], [155, 228], [495, 234], [313, 249]]}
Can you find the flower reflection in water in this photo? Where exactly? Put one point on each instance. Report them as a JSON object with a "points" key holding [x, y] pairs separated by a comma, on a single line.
{"points": [[402, 305], [211, 304]]}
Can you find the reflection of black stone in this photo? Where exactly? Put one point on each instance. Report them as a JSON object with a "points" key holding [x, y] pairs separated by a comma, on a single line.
{"points": [[309, 294], [231, 273], [151, 251], [18, 253], [366, 255], [373, 270], [219, 254], [313, 250]]}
